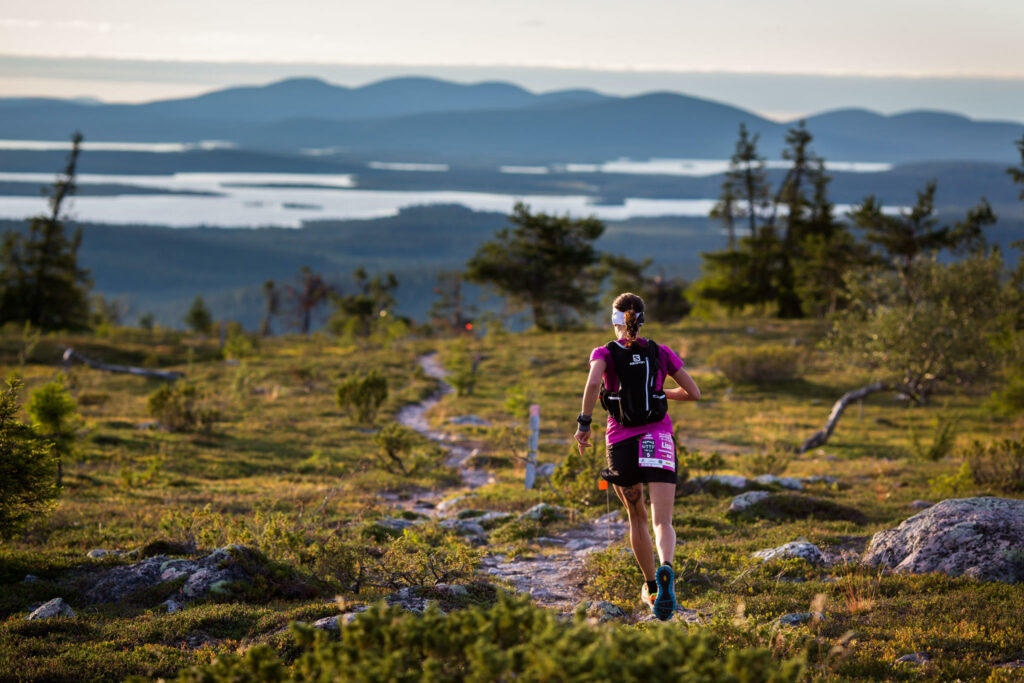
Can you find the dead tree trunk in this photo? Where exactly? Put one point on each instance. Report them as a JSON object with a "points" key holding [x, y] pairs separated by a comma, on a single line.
{"points": [[821, 436], [169, 375]]}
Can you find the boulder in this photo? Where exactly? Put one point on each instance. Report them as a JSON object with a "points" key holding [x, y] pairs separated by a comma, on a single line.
{"points": [[785, 506], [981, 538], [914, 658], [791, 483], [446, 505], [409, 599], [745, 500], [396, 523], [797, 618], [798, 549], [465, 527], [469, 421], [544, 513], [600, 611], [215, 574], [54, 608], [732, 481], [820, 479], [921, 504]]}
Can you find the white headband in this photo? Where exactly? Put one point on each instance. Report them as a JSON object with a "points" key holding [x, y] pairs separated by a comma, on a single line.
{"points": [[619, 317]]}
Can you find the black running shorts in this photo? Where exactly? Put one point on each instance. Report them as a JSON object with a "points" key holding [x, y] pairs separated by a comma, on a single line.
{"points": [[624, 466]]}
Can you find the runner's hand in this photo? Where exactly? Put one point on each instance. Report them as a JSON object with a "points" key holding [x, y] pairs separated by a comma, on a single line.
{"points": [[582, 440]]}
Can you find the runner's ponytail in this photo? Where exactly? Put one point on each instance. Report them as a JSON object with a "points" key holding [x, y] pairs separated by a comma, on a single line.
{"points": [[633, 325], [631, 308]]}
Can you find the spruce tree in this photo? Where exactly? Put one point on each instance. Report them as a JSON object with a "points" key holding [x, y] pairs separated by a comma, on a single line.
{"points": [[1017, 172], [40, 280], [198, 317], [27, 467]]}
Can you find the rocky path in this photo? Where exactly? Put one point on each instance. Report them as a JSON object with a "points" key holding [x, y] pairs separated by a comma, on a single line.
{"points": [[551, 578]]}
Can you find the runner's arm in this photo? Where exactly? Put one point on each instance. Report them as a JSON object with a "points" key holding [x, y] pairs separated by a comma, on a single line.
{"points": [[687, 389], [590, 394]]}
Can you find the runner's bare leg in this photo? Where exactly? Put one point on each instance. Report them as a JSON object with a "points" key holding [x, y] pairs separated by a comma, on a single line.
{"points": [[639, 536], [663, 498]]}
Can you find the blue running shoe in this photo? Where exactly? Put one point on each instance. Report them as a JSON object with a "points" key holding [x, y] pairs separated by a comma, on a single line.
{"points": [[665, 602]]}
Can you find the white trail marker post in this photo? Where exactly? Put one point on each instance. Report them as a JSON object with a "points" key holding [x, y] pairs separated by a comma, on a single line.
{"points": [[531, 447]]}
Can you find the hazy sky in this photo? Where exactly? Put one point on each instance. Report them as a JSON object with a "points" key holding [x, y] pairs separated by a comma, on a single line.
{"points": [[879, 38]]}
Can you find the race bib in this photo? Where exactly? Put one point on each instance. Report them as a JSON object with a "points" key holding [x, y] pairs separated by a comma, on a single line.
{"points": [[658, 450]]}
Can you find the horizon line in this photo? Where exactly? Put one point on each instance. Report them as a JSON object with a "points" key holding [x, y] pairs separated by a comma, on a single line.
{"points": [[603, 68]]}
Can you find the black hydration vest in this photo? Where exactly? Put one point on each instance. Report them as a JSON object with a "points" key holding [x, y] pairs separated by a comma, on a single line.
{"points": [[636, 402]]}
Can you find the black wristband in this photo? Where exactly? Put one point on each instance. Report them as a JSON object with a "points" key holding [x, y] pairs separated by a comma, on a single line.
{"points": [[584, 420]]}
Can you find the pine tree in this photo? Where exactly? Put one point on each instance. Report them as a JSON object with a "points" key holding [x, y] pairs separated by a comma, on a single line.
{"points": [[372, 300], [904, 237], [450, 311], [545, 263], [40, 281], [312, 292]]}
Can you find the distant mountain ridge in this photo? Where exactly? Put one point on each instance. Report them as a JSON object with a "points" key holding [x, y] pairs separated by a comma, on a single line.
{"points": [[424, 119]]}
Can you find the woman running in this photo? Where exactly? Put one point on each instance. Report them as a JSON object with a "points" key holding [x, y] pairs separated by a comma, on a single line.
{"points": [[640, 446]]}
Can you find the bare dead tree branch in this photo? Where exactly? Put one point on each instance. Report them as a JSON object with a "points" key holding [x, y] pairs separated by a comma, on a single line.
{"points": [[822, 435]]}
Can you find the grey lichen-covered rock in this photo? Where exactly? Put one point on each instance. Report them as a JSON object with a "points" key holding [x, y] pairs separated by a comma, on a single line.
{"points": [[450, 504], [409, 599], [914, 658], [921, 504], [796, 549], [785, 482], [733, 481], [30, 578], [797, 618], [978, 537], [97, 553], [54, 608], [542, 512], [469, 421], [465, 527], [745, 500], [600, 611], [396, 523], [820, 479], [214, 574]]}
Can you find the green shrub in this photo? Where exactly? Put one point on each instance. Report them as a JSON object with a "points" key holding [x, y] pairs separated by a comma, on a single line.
{"points": [[765, 363], [27, 468], [513, 640], [517, 530], [942, 442], [179, 408], [576, 477], [1009, 398], [361, 396], [374, 556], [998, 464], [613, 575], [396, 452], [239, 345], [773, 461]]}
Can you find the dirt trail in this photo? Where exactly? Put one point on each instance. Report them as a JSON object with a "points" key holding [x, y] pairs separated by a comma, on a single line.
{"points": [[552, 579]]}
